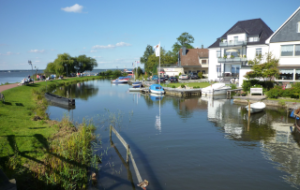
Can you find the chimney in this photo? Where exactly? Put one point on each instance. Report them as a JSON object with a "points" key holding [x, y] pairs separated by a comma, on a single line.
{"points": [[183, 50], [201, 46]]}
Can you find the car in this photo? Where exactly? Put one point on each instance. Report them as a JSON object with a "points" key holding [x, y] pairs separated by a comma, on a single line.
{"points": [[154, 77], [193, 76], [183, 77], [173, 79], [166, 77], [162, 79]]}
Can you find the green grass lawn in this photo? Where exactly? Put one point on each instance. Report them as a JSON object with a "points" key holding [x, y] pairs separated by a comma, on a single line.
{"points": [[17, 125], [192, 84]]}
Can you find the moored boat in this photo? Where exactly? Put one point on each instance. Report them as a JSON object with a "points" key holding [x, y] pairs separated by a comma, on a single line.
{"points": [[215, 89], [136, 84], [121, 80], [256, 107], [59, 99], [156, 89]]}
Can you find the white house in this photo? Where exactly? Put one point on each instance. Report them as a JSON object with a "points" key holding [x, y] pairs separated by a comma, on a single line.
{"points": [[284, 44], [229, 54]]}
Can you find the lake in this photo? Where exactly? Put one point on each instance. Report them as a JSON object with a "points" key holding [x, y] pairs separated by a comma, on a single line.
{"points": [[192, 143]]}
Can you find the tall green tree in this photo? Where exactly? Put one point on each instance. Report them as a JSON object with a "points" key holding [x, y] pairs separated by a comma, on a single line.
{"points": [[267, 70], [64, 62], [185, 39], [149, 51], [153, 61]]}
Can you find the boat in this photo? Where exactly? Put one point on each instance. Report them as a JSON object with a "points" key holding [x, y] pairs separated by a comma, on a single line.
{"points": [[59, 99], [156, 89], [215, 89], [136, 89], [156, 97], [256, 107], [121, 80], [137, 84]]}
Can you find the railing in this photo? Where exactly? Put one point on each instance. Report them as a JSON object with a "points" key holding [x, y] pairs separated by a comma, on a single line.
{"points": [[235, 59], [233, 43]]}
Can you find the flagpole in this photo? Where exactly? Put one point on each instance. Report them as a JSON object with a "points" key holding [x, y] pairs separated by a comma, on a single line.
{"points": [[136, 68], [159, 66]]}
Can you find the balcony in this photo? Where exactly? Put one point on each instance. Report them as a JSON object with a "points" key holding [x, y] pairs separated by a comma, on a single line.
{"points": [[233, 43], [235, 59]]}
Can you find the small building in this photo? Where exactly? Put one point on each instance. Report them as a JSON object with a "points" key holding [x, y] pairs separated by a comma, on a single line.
{"points": [[193, 60], [229, 54], [285, 45]]}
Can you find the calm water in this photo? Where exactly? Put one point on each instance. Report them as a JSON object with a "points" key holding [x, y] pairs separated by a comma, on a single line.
{"points": [[13, 77], [193, 143]]}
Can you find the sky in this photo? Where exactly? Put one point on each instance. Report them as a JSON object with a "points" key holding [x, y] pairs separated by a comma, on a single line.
{"points": [[116, 32]]}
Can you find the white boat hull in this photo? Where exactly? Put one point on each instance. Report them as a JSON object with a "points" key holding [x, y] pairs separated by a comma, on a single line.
{"points": [[256, 107], [157, 92], [135, 89], [215, 92]]}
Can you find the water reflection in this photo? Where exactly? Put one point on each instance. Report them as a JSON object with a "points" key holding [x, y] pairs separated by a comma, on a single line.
{"points": [[203, 137], [82, 90]]}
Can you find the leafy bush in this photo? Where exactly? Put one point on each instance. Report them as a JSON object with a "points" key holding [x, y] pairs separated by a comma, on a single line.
{"points": [[233, 86], [182, 86], [200, 75], [275, 92], [173, 86], [247, 84], [196, 87], [179, 74]]}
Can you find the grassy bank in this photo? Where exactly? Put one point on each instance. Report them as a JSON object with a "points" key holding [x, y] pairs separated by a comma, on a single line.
{"points": [[39, 152]]}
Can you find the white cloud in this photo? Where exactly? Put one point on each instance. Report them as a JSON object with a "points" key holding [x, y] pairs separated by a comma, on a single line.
{"points": [[37, 51], [97, 57], [120, 44], [75, 8], [8, 53], [93, 51], [110, 46]]}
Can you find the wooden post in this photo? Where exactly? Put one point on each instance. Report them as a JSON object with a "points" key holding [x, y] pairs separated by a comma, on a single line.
{"points": [[249, 109], [127, 153]]}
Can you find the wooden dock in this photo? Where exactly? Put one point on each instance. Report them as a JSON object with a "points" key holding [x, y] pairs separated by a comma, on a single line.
{"points": [[182, 92], [234, 90]]}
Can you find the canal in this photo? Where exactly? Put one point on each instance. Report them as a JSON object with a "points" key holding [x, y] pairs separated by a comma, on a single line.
{"points": [[177, 143]]}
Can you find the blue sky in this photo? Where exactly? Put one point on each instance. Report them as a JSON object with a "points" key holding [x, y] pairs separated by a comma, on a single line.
{"points": [[116, 32]]}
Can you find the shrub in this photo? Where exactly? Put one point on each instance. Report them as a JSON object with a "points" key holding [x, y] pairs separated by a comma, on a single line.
{"points": [[247, 84], [173, 86], [200, 75], [275, 92], [179, 74], [182, 86], [233, 86]]}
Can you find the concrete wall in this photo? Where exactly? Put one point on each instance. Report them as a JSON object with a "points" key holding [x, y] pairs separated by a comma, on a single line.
{"points": [[213, 62]]}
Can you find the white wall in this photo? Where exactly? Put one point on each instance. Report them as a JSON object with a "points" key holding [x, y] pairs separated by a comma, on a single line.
{"points": [[173, 71], [243, 71], [275, 48], [251, 51], [241, 37], [213, 62]]}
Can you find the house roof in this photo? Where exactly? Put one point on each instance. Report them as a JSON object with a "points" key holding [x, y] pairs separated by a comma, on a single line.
{"points": [[268, 40], [191, 57], [251, 27]]}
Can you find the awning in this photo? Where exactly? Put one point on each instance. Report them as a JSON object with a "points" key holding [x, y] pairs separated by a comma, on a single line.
{"points": [[286, 71]]}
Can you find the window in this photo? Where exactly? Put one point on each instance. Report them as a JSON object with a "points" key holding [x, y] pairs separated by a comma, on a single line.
{"points": [[236, 38], [203, 71], [258, 51], [251, 39], [255, 39], [218, 68], [287, 50], [298, 27], [297, 50], [218, 54], [203, 61]]}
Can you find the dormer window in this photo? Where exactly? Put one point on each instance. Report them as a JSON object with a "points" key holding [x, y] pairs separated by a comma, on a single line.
{"points": [[253, 39]]}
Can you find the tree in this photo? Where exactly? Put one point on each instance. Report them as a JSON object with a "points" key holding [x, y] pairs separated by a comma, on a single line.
{"points": [[185, 39], [149, 51], [153, 61], [65, 62], [268, 70]]}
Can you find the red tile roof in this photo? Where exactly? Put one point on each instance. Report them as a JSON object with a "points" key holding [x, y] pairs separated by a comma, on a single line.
{"points": [[191, 57]]}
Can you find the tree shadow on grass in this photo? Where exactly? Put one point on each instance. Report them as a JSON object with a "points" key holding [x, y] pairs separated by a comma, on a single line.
{"points": [[7, 103], [19, 104], [26, 176]]}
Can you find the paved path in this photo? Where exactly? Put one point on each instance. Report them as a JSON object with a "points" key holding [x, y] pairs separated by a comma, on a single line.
{"points": [[8, 86]]}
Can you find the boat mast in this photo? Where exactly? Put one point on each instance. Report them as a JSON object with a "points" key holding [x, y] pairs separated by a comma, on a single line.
{"points": [[159, 66]]}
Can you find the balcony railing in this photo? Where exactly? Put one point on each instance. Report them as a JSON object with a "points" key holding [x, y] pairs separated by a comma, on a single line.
{"points": [[235, 59], [233, 43]]}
